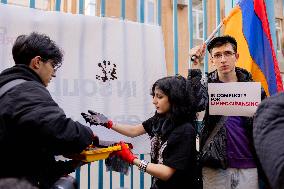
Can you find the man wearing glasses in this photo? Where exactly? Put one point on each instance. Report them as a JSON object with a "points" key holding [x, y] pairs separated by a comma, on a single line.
{"points": [[33, 128], [234, 136]]}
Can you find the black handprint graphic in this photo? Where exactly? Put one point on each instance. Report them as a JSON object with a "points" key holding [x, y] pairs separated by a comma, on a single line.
{"points": [[108, 71]]}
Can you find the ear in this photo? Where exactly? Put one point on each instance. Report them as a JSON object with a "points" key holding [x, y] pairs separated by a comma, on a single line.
{"points": [[237, 56], [211, 60], [35, 63]]}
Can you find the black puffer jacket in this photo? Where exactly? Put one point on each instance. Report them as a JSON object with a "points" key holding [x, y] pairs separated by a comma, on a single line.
{"points": [[33, 128], [268, 135], [198, 90]]}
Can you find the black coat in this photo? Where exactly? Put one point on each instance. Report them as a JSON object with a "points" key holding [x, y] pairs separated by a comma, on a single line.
{"points": [[268, 135], [33, 129]]}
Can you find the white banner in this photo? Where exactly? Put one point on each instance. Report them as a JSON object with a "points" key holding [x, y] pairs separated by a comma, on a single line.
{"points": [[234, 98], [109, 65]]}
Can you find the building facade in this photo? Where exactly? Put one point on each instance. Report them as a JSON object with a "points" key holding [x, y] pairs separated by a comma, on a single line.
{"points": [[132, 13]]}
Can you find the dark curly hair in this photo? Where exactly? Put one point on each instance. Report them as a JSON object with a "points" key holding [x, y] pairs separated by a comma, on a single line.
{"points": [[176, 89], [26, 47]]}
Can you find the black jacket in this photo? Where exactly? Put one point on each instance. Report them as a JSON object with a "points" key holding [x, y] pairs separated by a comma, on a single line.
{"points": [[268, 133], [33, 128], [198, 94]]}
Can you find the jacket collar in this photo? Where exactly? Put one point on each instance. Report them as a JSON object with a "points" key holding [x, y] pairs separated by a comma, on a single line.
{"points": [[19, 71], [242, 75]]}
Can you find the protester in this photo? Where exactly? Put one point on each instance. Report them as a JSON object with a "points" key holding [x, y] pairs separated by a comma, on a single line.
{"points": [[171, 131], [33, 128], [227, 152], [268, 135]]}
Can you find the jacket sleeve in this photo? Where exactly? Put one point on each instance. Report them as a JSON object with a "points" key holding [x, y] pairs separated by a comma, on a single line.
{"points": [[263, 94], [65, 167], [38, 113], [198, 86], [268, 139]]}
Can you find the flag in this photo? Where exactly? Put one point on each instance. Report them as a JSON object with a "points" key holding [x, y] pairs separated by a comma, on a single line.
{"points": [[248, 24]]}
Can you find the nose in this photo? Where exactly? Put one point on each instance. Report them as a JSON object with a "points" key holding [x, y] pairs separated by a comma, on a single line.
{"points": [[154, 100], [223, 58]]}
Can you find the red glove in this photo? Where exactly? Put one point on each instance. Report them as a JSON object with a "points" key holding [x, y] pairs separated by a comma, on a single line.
{"points": [[125, 153]]}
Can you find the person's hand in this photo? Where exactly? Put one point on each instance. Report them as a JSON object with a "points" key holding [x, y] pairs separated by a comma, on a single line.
{"points": [[125, 153], [96, 140], [95, 118], [196, 55]]}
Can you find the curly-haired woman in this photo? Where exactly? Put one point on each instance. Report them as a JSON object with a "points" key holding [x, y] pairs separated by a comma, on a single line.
{"points": [[171, 131]]}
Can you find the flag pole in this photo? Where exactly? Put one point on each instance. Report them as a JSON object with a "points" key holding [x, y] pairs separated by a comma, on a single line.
{"points": [[214, 32], [218, 27], [210, 36], [224, 21]]}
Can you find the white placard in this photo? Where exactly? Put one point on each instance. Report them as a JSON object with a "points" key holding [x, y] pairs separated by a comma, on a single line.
{"points": [[133, 54], [234, 98]]}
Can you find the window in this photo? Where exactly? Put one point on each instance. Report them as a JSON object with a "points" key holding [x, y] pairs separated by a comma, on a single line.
{"points": [[278, 27], [43, 4], [90, 7], [197, 24], [150, 12]]}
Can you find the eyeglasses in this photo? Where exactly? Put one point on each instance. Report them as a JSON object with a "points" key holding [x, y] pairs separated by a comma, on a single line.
{"points": [[55, 65], [226, 54]]}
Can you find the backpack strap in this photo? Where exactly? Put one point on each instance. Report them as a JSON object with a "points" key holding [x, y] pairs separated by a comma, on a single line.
{"points": [[10, 85]]}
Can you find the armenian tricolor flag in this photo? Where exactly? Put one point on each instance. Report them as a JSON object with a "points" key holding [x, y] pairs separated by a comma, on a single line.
{"points": [[248, 24]]}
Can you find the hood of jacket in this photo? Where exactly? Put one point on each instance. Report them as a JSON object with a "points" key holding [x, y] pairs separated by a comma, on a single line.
{"points": [[19, 71]]}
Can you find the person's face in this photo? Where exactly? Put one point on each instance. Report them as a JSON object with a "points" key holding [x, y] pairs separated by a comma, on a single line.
{"points": [[224, 58], [45, 69], [161, 101]]}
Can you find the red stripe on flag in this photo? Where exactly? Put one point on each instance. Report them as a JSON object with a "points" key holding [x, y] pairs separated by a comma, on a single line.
{"points": [[260, 10]]}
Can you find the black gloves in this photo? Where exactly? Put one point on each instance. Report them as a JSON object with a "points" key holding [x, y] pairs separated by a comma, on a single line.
{"points": [[95, 118]]}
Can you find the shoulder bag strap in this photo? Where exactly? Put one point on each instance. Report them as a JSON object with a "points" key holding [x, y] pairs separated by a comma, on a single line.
{"points": [[214, 132], [10, 85]]}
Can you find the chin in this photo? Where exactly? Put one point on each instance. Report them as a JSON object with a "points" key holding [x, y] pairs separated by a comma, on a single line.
{"points": [[227, 71], [160, 112]]}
